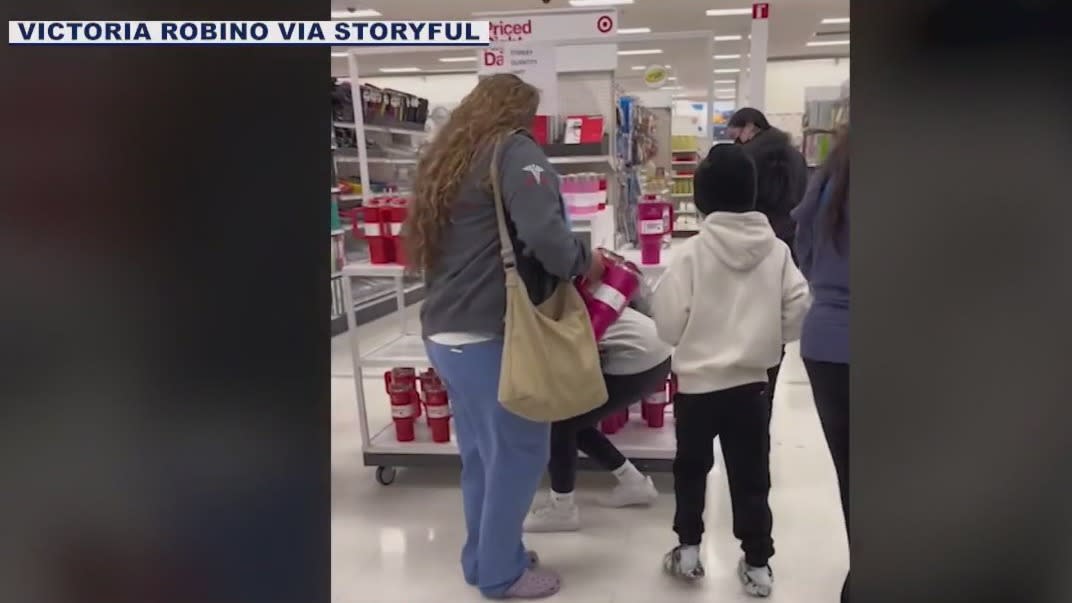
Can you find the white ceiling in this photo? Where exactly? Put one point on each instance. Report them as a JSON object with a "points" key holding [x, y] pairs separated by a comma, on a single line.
{"points": [[793, 23]]}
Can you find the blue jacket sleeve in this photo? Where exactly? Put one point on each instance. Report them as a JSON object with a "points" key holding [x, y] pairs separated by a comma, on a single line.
{"points": [[532, 199], [804, 215]]}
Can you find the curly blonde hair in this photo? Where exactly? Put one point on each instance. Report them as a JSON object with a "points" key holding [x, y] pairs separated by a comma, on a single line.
{"points": [[498, 105]]}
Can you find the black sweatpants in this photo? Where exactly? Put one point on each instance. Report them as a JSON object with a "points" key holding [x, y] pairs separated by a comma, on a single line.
{"points": [[830, 387], [740, 417], [582, 431], [772, 381]]}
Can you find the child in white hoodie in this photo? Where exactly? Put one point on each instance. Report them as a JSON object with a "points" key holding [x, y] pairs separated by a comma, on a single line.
{"points": [[730, 299]]}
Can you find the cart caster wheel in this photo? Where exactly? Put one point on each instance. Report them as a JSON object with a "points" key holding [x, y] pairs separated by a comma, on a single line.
{"points": [[386, 475]]}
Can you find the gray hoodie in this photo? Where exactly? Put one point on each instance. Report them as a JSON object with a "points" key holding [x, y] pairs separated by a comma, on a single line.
{"points": [[466, 292], [730, 298]]}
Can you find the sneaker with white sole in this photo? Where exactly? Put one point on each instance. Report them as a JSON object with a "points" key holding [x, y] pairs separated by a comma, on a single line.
{"points": [[684, 563], [553, 518], [632, 493], [757, 581]]}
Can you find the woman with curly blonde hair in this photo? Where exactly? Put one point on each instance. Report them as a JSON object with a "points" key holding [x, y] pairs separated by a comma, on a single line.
{"points": [[452, 237]]}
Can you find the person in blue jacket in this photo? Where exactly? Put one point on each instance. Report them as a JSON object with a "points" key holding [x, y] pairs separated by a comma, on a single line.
{"points": [[822, 244]]}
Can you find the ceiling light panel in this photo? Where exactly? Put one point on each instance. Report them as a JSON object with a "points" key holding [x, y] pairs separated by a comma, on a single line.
{"points": [[645, 51], [835, 21], [728, 12], [399, 69], [829, 43], [633, 30]]}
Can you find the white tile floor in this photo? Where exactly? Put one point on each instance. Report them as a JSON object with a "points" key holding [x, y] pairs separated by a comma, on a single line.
{"points": [[399, 544]]}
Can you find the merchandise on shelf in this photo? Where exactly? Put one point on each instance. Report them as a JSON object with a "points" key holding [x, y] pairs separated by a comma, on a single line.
{"points": [[336, 221], [405, 403], [338, 250], [379, 222], [684, 144], [655, 219], [584, 193], [614, 423], [682, 185], [653, 408], [437, 408]]}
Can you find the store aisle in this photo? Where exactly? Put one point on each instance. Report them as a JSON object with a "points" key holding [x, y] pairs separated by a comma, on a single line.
{"points": [[400, 544]]}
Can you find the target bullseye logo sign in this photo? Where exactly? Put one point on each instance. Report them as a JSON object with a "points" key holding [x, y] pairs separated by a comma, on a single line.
{"points": [[604, 24]]}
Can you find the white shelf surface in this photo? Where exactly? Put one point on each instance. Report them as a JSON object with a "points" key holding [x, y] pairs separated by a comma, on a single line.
{"points": [[368, 269], [579, 159], [387, 129], [635, 440], [372, 160], [404, 350]]}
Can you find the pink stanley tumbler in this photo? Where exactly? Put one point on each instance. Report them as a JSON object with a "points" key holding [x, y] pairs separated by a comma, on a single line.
{"points": [[652, 226], [607, 298]]}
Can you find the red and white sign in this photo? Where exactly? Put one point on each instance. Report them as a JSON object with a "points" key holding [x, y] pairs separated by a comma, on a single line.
{"points": [[551, 27], [759, 11], [533, 63]]}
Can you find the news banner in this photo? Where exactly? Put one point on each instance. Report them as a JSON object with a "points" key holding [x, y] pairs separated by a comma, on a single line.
{"points": [[332, 33]]}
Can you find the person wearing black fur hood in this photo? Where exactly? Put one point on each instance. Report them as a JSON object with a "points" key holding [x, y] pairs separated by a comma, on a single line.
{"points": [[781, 171], [781, 181]]}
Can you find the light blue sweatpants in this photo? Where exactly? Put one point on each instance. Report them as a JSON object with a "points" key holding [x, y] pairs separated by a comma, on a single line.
{"points": [[503, 458]]}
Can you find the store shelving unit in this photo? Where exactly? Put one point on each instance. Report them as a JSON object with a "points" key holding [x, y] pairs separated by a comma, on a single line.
{"points": [[825, 108], [686, 158], [386, 171]]}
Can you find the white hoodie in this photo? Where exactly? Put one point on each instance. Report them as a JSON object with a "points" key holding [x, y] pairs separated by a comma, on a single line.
{"points": [[730, 299]]}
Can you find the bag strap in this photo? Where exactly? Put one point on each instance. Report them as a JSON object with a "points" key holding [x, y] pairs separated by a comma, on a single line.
{"points": [[509, 260]]}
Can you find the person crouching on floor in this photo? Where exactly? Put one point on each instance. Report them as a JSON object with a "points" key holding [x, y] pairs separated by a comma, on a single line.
{"points": [[635, 363], [730, 299]]}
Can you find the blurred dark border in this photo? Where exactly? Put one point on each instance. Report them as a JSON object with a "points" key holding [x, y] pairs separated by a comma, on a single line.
{"points": [[165, 428], [962, 148]]}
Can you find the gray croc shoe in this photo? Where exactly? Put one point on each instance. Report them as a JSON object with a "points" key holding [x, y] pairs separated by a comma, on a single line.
{"points": [[534, 584]]}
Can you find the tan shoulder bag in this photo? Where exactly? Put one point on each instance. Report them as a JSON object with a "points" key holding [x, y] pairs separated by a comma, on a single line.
{"points": [[550, 365]]}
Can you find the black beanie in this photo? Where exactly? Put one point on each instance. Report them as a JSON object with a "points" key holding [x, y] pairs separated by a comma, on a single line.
{"points": [[725, 181]]}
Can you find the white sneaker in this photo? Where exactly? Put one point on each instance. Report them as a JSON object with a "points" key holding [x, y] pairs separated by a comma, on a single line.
{"points": [[632, 493], [757, 581], [553, 518]]}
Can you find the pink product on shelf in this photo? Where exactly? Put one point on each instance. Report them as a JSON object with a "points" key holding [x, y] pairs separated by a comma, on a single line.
{"points": [[654, 221], [584, 193]]}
